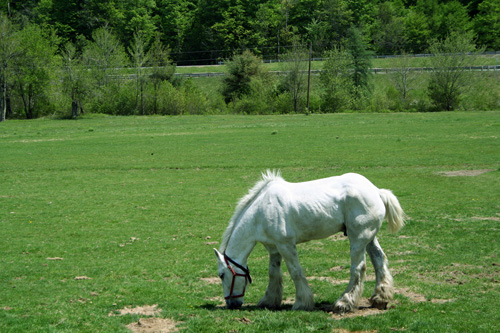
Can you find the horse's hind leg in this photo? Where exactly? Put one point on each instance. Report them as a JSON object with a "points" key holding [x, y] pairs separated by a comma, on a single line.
{"points": [[349, 300], [384, 284], [274, 293]]}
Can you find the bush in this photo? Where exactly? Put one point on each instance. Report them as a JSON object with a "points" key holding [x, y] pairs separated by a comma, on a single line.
{"points": [[115, 99], [195, 102], [240, 72], [170, 101], [260, 98]]}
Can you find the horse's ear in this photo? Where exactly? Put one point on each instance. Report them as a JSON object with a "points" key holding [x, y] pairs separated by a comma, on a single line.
{"points": [[220, 257]]}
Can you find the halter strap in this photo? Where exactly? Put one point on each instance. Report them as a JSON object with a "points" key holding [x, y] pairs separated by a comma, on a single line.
{"points": [[246, 276], [244, 269]]}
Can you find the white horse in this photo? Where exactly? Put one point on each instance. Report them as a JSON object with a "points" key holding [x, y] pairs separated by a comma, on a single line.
{"points": [[280, 215]]}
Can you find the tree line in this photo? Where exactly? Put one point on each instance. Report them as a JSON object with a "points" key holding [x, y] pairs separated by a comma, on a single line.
{"points": [[206, 31], [73, 64]]}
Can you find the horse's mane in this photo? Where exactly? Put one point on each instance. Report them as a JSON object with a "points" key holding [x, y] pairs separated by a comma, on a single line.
{"points": [[267, 177]]}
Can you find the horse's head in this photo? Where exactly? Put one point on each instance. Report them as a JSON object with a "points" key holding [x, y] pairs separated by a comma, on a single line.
{"points": [[234, 280]]}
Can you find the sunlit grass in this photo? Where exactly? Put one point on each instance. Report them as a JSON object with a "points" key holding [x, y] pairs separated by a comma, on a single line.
{"points": [[135, 204]]}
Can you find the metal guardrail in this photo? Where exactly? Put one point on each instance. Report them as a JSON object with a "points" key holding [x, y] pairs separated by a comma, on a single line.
{"points": [[485, 68]]}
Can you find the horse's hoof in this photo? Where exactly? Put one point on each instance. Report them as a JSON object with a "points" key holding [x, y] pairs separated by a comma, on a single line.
{"points": [[378, 303], [269, 306], [343, 307], [303, 307]]}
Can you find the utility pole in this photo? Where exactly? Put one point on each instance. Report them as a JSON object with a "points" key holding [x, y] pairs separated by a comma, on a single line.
{"points": [[309, 76]]}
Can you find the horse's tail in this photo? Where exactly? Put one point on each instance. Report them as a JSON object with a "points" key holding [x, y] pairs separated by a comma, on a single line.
{"points": [[393, 211]]}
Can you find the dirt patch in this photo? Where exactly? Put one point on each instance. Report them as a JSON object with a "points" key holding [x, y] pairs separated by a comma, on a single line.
{"points": [[364, 310], [492, 218], [211, 280], [414, 297], [368, 277], [244, 320], [327, 279], [442, 301], [419, 298], [219, 299], [148, 325], [464, 173], [337, 237], [337, 269], [157, 325], [146, 310], [78, 278], [343, 330]]}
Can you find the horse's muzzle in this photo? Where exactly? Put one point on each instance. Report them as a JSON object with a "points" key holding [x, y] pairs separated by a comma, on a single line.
{"points": [[233, 304]]}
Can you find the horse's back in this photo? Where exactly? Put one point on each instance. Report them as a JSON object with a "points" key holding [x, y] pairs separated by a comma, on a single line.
{"points": [[315, 209]]}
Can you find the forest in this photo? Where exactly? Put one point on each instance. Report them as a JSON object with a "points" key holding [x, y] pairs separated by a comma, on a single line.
{"points": [[204, 31], [55, 53]]}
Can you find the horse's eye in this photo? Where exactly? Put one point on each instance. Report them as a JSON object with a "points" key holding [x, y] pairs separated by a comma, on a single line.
{"points": [[221, 276]]}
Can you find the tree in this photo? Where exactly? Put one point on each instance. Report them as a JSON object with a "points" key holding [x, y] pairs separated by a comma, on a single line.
{"points": [[74, 78], [416, 31], [231, 31], [8, 51], [361, 62], [137, 17], [337, 80], [337, 18], [19, 9], [449, 76], [240, 72], [103, 54], [63, 16], [139, 57], [174, 19], [388, 29], [33, 68], [162, 68], [487, 24], [95, 14], [453, 17], [295, 66], [404, 78], [266, 28]]}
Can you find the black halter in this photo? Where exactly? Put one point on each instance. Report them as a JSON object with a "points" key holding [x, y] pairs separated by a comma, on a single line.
{"points": [[247, 276]]}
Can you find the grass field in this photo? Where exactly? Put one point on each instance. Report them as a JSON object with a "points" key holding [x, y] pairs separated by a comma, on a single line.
{"points": [[104, 214]]}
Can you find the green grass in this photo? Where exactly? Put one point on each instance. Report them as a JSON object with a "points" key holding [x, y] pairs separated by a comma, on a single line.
{"points": [[135, 204]]}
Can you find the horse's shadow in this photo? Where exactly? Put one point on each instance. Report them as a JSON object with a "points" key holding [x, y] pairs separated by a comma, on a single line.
{"points": [[250, 307], [319, 307]]}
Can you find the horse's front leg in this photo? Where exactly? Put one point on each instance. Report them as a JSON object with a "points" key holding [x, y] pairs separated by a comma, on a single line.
{"points": [[303, 297], [349, 300], [384, 284], [274, 293]]}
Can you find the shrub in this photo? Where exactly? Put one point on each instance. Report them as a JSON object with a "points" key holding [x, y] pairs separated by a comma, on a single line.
{"points": [[240, 72], [116, 99]]}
